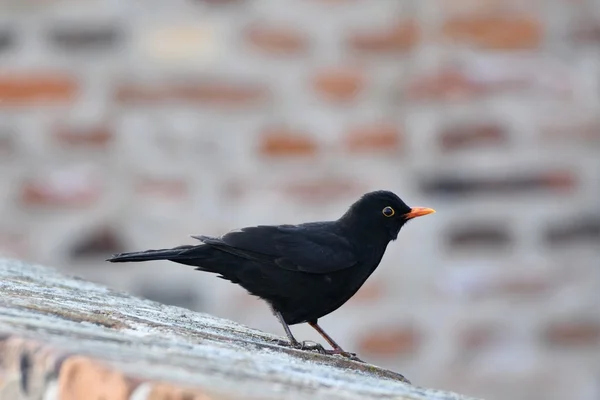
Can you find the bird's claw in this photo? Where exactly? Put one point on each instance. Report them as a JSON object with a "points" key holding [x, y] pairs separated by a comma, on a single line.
{"points": [[311, 346]]}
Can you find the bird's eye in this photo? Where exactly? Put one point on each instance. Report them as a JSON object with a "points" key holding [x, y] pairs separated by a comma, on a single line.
{"points": [[388, 211]]}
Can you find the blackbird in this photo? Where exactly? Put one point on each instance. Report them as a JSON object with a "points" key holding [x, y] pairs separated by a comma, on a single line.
{"points": [[302, 271]]}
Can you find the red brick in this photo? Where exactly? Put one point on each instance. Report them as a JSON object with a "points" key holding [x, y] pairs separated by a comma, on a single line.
{"points": [[476, 6], [33, 87], [563, 181], [97, 243], [512, 283], [530, 285], [7, 39], [277, 39], [7, 142], [587, 32], [215, 93], [163, 391], [390, 341], [84, 378], [575, 231], [495, 32], [399, 38], [219, 2], [339, 84], [579, 132], [477, 337], [370, 292], [72, 37], [162, 187], [553, 181], [38, 194], [98, 136], [283, 142], [447, 84], [220, 93], [378, 138], [572, 333], [322, 190], [474, 135], [14, 244], [69, 188], [474, 234], [334, 2]]}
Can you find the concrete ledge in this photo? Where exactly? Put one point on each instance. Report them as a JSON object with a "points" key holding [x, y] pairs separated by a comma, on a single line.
{"points": [[65, 338]]}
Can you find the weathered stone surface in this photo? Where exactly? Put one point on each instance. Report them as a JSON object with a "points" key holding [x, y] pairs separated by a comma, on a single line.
{"points": [[67, 338]]}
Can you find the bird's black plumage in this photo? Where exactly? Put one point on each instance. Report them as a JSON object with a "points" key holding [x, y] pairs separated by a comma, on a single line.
{"points": [[303, 271]]}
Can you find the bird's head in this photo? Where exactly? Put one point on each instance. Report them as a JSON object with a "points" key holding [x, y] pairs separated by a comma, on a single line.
{"points": [[382, 212]]}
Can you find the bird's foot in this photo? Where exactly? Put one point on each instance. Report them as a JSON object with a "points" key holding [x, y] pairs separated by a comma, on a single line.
{"points": [[311, 346]]}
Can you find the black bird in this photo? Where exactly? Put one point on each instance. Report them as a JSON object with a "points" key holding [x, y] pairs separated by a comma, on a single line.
{"points": [[303, 271]]}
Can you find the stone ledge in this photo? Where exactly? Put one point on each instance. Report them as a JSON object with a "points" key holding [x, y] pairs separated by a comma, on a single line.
{"points": [[65, 338]]}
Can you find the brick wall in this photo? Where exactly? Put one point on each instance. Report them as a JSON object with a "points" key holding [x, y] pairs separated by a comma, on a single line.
{"points": [[127, 126]]}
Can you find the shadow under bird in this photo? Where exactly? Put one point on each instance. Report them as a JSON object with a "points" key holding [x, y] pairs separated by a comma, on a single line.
{"points": [[302, 271]]}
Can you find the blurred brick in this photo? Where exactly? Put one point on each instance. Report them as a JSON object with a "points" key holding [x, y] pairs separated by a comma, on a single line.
{"points": [[277, 39], [178, 45], [339, 84], [7, 141], [476, 338], [477, 235], [526, 285], [96, 136], [587, 32], [83, 378], [447, 84], [97, 243], [370, 292], [74, 37], [572, 333], [377, 138], [215, 93], [220, 2], [334, 2], [284, 142], [478, 6], [495, 32], [14, 244], [576, 231], [164, 391], [388, 341], [7, 39], [512, 282], [401, 37], [572, 131], [322, 190], [555, 181], [70, 188], [28, 88], [162, 187], [464, 137]]}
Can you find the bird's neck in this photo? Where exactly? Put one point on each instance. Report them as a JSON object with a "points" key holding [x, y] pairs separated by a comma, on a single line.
{"points": [[365, 234]]}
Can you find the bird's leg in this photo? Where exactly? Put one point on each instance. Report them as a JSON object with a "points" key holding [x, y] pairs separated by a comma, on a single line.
{"points": [[337, 349], [286, 328], [305, 345]]}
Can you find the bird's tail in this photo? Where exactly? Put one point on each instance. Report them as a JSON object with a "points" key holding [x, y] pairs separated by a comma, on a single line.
{"points": [[177, 254]]}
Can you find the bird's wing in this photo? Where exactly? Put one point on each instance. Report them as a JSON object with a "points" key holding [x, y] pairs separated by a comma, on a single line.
{"points": [[292, 247]]}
